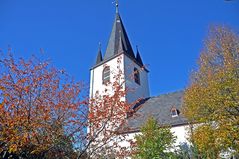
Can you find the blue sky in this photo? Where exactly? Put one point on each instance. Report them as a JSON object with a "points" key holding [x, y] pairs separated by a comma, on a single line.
{"points": [[169, 33]]}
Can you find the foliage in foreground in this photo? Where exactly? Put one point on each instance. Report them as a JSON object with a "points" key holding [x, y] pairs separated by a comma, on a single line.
{"points": [[154, 142], [45, 114], [211, 104], [38, 110], [213, 97], [107, 116]]}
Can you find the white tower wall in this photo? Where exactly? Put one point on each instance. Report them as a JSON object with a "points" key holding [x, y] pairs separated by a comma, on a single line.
{"points": [[127, 66], [96, 81], [136, 91]]}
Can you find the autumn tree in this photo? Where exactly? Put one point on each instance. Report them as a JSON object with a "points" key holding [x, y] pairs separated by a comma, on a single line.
{"points": [[212, 99], [107, 115], [44, 113], [39, 103], [153, 141]]}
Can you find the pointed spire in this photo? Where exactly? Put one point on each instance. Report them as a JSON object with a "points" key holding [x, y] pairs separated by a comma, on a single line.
{"points": [[138, 57], [118, 37], [99, 56]]}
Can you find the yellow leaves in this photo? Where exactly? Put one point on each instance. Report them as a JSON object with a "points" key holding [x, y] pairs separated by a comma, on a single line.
{"points": [[34, 151], [205, 139], [12, 148], [213, 96]]}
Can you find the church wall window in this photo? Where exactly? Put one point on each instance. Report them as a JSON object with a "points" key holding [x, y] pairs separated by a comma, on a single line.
{"points": [[106, 75], [136, 76]]}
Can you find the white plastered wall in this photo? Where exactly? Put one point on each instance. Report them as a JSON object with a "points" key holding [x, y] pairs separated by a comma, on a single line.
{"points": [[127, 65], [96, 83], [180, 132], [136, 91]]}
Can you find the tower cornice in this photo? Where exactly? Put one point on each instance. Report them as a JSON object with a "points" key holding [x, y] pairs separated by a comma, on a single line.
{"points": [[122, 53]]}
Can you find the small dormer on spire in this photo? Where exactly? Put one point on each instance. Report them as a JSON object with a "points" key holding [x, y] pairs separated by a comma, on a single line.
{"points": [[99, 56], [121, 45], [138, 57]]}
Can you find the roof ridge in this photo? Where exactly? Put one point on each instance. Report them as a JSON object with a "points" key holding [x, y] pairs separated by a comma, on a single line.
{"points": [[178, 91]]}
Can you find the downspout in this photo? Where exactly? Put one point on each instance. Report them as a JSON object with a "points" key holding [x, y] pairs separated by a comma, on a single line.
{"points": [[92, 84]]}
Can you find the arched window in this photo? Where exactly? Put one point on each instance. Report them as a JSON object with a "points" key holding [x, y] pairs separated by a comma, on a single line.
{"points": [[106, 75], [136, 76]]}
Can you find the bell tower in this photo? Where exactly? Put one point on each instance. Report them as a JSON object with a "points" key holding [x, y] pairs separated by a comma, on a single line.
{"points": [[131, 65]]}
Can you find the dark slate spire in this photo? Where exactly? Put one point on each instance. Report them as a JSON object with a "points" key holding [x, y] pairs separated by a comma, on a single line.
{"points": [[118, 37], [99, 56], [138, 57]]}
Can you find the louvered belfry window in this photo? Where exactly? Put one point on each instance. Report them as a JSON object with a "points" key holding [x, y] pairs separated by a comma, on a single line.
{"points": [[136, 76], [106, 75]]}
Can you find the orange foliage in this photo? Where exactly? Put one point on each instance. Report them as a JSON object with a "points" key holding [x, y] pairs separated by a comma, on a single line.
{"points": [[38, 103], [41, 105], [107, 117]]}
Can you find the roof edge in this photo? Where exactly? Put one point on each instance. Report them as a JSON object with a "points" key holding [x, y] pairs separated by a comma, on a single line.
{"points": [[106, 60], [136, 130]]}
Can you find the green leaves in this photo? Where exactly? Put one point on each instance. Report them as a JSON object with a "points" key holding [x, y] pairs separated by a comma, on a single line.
{"points": [[154, 142]]}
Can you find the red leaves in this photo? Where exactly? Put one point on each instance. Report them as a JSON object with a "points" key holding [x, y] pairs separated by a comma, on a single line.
{"points": [[38, 102], [27, 88], [107, 117]]}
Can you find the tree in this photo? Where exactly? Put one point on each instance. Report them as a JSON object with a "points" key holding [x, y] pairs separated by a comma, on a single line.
{"points": [[206, 141], [153, 141], [212, 99], [41, 108], [107, 115], [45, 114]]}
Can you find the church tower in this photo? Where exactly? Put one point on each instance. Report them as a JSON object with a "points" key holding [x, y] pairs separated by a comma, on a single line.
{"points": [[133, 71]]}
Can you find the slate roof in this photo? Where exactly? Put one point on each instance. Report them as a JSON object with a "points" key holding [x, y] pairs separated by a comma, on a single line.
{"points": [[118, 38], [138, 58], [158, 107], [99, 57]]}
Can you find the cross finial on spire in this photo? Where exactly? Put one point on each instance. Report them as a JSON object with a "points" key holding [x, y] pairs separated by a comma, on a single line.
{"points": [[99, 45], [117, 6]]}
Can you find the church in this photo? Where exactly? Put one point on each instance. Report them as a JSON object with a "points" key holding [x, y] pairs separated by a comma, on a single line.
{"points": [[164, 108]]}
